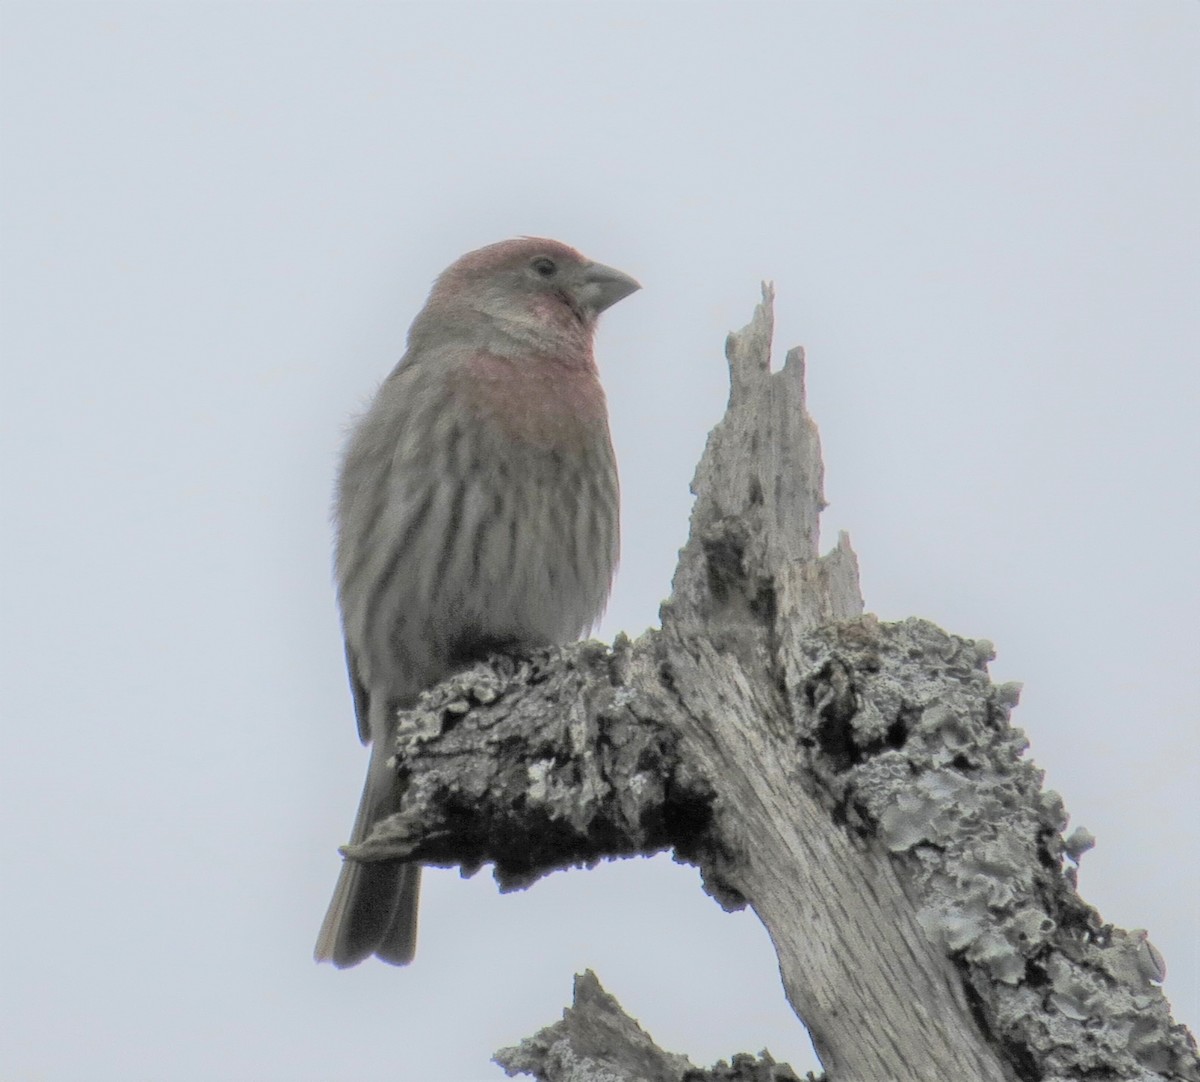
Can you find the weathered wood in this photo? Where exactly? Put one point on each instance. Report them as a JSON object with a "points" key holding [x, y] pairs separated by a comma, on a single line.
{"points": [[596, 1041], [874, 991], [858, 784]]}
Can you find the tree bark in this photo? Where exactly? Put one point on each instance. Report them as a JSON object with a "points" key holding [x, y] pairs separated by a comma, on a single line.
{"points": [[858, 784], [596, 1041]]}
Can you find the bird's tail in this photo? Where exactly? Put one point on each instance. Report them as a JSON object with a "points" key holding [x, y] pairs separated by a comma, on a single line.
{"points": [[374, 906]]}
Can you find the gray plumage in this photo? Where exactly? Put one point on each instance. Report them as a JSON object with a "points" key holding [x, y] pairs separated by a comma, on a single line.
{"points": [[476, 511]]}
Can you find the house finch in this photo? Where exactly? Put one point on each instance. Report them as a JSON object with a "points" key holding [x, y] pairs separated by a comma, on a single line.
{"points": [[476, 512]]}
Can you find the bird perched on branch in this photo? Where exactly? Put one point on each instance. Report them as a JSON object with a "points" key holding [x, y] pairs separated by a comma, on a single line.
{"points": [[476, 513]]}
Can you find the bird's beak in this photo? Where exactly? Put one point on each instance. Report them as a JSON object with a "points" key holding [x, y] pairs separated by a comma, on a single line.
{"points": [[603, 286]]}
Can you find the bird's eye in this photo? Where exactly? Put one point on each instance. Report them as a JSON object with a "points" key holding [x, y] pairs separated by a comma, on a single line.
{"points": [[544, 266]]}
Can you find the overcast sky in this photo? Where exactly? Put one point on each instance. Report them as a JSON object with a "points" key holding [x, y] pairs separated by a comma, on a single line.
{"points": [[218, 221]]}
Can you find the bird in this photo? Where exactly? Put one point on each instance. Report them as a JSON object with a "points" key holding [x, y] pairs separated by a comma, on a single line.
{"points": [[476, 513]]}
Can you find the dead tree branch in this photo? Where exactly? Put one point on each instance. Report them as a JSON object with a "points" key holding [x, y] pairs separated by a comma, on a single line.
{"points": [[596, 1040], [858, 784]]}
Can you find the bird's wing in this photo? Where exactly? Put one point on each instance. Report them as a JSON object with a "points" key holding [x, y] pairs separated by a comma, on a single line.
{"points": [[359, 691]]}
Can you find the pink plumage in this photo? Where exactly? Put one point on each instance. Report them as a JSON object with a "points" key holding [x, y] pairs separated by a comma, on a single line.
{"points": [[477, 510]]}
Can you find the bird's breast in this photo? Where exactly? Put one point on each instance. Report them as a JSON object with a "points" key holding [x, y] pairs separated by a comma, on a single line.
{"points": [[546, 403]]}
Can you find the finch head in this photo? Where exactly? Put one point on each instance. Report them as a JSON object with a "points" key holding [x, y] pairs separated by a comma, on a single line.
{"points": [[530, 286]]}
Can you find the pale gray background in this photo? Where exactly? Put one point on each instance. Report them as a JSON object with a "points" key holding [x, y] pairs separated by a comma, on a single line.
{"points": [[218, 222]]}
